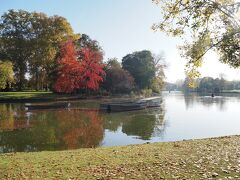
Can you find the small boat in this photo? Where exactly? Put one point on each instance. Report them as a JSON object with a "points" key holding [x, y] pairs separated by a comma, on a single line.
{"points": [[132, 106], [122, 106], [47, 106], [152, 101]]}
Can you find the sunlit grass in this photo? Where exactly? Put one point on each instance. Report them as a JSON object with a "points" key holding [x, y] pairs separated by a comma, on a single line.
{"points": [[25, 95], [198, 159]]}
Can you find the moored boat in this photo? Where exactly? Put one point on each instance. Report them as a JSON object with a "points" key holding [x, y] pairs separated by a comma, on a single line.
{"points": [[152, 101], [132, 105], [119, 107], [47, 106]]}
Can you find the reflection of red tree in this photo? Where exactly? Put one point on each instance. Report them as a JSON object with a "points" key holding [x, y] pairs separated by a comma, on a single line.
{"points": [[80, 129]]}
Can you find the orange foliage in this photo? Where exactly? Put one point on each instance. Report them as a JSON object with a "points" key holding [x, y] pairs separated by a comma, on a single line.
{"points": [[93, 68], [83, 73]]}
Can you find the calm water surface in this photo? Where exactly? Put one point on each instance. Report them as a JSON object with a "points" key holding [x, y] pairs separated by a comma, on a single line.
{"points": [[180, 117]]}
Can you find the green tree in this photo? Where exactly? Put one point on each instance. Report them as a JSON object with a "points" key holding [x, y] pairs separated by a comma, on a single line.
{"points": [[14, 42], [6, 74], [86, 42], [186, 87], [141, 66], [31, 41], [49, 33], [206, 84], [213, 25], [113, 63], [158, 81]]}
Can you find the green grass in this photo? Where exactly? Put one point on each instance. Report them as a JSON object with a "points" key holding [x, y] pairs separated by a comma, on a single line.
{"points": [[195, 159], [25, 95], [34, 95]]}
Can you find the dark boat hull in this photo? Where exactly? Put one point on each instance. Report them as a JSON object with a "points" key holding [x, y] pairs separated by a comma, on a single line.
{"points": [[42, 107], [152, 102], [119, 107], [131, 105]]}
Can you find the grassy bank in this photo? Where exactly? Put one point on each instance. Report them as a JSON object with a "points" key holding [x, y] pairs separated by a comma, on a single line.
{"points": [[25, 95], [195, 159], [32, 96]]}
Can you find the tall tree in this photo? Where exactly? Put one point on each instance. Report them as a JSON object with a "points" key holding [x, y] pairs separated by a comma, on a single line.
{"points": [[158, 81], [113, 63], [49, 33], [212, 24], [86, 42], [6, 74], [93, 68], [141, 66], [30, 41], [69, 75], [15, 35], [83, 73]]}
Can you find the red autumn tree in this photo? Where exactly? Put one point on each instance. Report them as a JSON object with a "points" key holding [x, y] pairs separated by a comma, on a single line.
{"points": [[69, 75], [91, 62], [78, 72]]}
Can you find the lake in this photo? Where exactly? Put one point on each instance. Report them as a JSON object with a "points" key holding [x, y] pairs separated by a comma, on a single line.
{"points": [[181, 116]]}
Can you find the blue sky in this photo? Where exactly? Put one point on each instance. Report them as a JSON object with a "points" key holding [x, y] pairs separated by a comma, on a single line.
{"points": [[121, 27]]}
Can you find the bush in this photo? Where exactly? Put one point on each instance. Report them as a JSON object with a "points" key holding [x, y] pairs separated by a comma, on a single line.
{"points": [[146, 92]]}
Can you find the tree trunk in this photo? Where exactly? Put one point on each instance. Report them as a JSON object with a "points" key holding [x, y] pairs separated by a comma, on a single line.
{"points": [[36, 80], [21, 80]]}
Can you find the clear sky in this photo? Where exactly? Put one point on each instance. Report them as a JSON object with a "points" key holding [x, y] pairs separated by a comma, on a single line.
{"points": [[121, 27]]}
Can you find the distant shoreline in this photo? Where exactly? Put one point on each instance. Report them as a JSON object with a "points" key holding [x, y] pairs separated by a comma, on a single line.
{"points": [[201, 92], [37, 97]]}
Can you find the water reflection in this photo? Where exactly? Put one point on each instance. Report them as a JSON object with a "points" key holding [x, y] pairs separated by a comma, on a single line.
{"points": [[182, 116], [49, 130], [142, 124], [71, 129], [194, 99], [9, 114], [192, 116], [80, 129]]}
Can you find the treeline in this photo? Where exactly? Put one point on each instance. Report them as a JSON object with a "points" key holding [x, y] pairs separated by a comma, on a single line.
{"points": [[40, 52], [30, 41], [205, 84], [139, 71]]}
